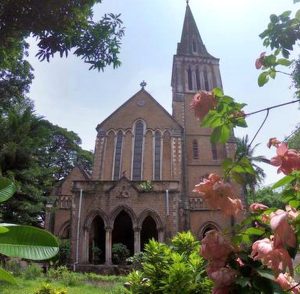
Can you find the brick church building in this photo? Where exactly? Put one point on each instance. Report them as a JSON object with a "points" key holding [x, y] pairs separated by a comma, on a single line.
{"points": [[139, 142]]}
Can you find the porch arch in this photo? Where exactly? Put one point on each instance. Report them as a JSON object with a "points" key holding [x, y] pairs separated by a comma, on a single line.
{"points": [[207, 226]]}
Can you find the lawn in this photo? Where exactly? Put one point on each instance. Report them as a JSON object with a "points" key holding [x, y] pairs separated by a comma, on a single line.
{"points": [[74, 283]]}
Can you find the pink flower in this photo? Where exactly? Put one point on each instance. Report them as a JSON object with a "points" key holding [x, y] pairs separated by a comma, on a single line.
{"points": [[283, 231], [257, 207], [286, 282], [259, 62], [288, 160], [219, 195], [215, 247], [202, 103], [273, 142], [278, 259], [223, 277]]}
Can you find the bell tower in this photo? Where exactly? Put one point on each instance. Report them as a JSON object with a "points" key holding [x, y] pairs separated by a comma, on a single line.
{"points": [[195, 69]]}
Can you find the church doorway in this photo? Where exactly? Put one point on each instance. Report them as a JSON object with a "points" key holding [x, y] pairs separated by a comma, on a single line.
{"points": [[149, 231], [123, 231], [97, 241]]}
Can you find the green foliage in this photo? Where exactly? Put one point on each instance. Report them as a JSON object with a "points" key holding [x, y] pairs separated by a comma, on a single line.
{"points": [[171, 269], [267, 196], [24, 241], [227, 115], [120, 253], [60, 27], [65, 276], [36, 154], [7, 276], [7, 189], [32, 272], [48, 289], [146, 186], [13, 266], [294, 140]]}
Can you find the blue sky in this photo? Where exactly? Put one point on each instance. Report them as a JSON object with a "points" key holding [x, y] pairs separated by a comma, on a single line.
{"points": [[68, 94]]}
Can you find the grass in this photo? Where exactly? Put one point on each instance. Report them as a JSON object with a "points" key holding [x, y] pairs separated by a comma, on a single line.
{"points": [[74, 284]]}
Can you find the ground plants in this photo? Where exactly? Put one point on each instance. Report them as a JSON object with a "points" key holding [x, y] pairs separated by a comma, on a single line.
{"points": [[174, 268]]}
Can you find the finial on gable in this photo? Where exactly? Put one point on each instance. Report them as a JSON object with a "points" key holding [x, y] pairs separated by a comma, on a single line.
{"points": [[187, 2]]}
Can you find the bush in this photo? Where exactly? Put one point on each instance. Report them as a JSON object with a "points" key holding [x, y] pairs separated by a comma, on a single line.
{"points": [[66, 277], [14, 266], [48, 289], [177, 268], [119, 253], [32, 272], [136, 260]]}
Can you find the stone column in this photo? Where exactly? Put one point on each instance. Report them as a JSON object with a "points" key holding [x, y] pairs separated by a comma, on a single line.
{"points": [[160, 235], [137, 240], [108, 245]]}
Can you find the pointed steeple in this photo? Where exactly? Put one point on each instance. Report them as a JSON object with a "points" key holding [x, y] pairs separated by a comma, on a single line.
{"points": [[191, 42]]}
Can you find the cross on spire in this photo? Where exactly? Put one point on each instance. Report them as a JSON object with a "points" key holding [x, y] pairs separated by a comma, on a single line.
{"points": [[143, 84]]}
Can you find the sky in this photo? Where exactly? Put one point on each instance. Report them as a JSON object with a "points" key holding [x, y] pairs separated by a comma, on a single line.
{"points": [[66, 93]]}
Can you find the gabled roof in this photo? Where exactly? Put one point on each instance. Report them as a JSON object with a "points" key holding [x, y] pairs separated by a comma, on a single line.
{"points": [[191, 43], [140, 93]]}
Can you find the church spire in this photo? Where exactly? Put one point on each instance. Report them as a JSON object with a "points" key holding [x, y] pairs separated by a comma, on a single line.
{"points": [[191, 42]]}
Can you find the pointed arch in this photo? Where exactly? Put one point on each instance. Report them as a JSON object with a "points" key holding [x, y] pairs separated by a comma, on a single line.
{"points": [[157, 155], [128, 210], [138, 148], [205, 76], [154, 215], [65, 230], [190, 79], [207, 226], [118, 155], [92, 214]]}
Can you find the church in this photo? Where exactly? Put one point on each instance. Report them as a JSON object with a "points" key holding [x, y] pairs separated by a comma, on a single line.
{"points": [[146, 164]]}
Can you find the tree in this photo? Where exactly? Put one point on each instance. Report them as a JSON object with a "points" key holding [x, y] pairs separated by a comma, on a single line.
{"points": [[36, 154], [60, 27], [250, 181], [267, 196], [294, 139]]}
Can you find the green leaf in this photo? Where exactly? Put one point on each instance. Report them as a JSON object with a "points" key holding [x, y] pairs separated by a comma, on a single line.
{"points": [[220, 134], [284, 62], [254, 231], [294, 203], [297, 15], [284, 181], [7, 189], [266, 273], [263, 79], [218, 92], [27, 242], [6, 276]]}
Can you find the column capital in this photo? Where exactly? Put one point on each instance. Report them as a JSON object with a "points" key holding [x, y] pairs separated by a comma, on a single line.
{"points": [[108, 229]]}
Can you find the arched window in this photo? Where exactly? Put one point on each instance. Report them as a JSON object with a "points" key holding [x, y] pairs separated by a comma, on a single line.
{"points": [[198, 79], [190, 79], [118, 152], [157, 155], [206, 83], [195, 150], [194, 46], [214, 151], [138, 151]]}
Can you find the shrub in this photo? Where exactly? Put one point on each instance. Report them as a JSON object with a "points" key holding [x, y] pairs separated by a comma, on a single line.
{"points": [[174, 268], [32, 272], [119, 253], [48, 289], [136, 260], [66, 277], [14, 266]]}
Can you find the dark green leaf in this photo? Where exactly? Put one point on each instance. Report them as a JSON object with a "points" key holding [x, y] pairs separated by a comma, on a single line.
{"points": [[266, 273], [27, 242], [254, 231], [263, 79], [6, 276], [7, 189], [284, 181], [284, 61]]}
